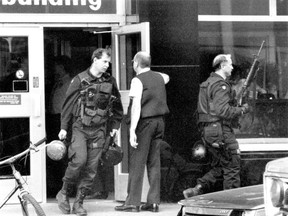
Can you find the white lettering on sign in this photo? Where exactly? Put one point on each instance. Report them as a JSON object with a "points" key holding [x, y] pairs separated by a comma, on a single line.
{"points": [[10, 99], [93, 4]]}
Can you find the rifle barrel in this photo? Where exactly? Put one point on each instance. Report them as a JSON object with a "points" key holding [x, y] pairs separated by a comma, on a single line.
{"points": [[252, 74], [261, 48]]}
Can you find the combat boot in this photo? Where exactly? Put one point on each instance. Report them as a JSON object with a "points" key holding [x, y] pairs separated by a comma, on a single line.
{"points": [[63, 199], [190, 192], [78, 204]]}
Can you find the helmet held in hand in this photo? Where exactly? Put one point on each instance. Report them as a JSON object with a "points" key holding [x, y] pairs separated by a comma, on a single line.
{"points": [[56, 150], [199, 150], [113, 155]]}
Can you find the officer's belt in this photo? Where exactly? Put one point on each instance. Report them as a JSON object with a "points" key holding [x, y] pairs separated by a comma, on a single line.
{"points": [[92, 113], [207, 118]]}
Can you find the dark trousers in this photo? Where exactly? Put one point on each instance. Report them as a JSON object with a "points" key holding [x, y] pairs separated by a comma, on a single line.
{"points": [[84, 154], [225, 163], [149, 133]]}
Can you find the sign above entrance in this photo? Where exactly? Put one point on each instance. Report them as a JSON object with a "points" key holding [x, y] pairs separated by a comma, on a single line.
{"points": [[59, 6]]}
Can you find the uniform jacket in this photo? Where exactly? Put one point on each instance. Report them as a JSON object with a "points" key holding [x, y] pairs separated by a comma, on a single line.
{"points": [[215, 101]]}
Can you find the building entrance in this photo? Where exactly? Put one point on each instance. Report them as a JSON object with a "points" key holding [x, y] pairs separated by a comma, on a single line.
{"points": [[73, 47], [67, 52]]}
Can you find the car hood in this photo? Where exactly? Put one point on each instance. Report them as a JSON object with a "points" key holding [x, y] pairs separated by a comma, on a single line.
{"points": [[251, 197]]}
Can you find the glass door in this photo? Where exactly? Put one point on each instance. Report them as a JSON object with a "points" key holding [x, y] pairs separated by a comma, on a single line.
{"points": [[22, 106], [127, 41]]}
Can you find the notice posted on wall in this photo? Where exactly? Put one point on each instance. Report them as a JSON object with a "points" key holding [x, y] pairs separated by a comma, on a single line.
{"points": [[10, 99]]}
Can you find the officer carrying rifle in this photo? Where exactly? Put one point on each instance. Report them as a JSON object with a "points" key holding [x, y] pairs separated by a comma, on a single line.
{"points": [[216, 112]]}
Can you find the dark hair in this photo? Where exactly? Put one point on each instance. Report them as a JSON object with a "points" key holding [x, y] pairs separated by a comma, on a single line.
{"points": [[66, 62], [98, 53]]}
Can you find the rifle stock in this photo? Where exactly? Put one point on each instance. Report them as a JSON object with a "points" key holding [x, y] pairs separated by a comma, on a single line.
{"points": [[251, 76]]}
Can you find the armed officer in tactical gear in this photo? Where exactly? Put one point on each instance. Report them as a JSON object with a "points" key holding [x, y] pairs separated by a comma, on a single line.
{"points": [[91, 100], [216, 112]]}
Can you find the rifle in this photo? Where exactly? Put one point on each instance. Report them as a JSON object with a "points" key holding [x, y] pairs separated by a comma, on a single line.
{"points": [[250, 77]]}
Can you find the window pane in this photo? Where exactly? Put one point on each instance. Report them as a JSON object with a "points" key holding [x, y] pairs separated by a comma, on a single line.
{"points": [[269, 95], [134, 6], [127, 52], [129, 45], [14, 138], [282, 7], [233, 7], [14, 68]]}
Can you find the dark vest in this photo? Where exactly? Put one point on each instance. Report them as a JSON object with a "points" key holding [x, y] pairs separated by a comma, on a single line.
{"points": [[153, 101]]}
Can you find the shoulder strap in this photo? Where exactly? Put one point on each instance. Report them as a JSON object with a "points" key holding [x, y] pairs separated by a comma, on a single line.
{"points": [[81, 76]]}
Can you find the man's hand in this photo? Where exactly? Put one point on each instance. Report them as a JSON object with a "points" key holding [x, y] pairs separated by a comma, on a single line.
{"points": [[245, 108], [133, 139], [113, 132], [62, 134]]}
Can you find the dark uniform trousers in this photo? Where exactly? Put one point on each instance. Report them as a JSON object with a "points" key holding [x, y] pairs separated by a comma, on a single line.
{"points": [[150, 132], [84, 154], [225, 162]]}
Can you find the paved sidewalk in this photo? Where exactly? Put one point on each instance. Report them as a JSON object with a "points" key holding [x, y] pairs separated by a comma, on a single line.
{"points": [[94, 208]]}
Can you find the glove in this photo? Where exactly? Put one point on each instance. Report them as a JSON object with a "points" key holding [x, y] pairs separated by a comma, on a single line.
{"points": [[245, 108], [62, 134]]}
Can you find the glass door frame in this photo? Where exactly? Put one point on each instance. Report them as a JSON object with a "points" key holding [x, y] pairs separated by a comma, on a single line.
{"points": [[31, 106], [121, 178]]}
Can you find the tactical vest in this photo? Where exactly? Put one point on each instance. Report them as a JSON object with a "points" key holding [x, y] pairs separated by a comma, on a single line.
{"points": [[206, 110], [95, 100]]}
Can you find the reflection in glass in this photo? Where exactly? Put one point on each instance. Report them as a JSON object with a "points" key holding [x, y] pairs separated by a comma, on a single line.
{"points": [[269, 93], [14, 68], [282, 6], [233, 7], [127, 53], [129, 45], [14, 138]]}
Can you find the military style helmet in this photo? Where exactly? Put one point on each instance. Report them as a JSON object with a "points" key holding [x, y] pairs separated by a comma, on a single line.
{"points": [[113, 155], [56, 150], [199, 150]]}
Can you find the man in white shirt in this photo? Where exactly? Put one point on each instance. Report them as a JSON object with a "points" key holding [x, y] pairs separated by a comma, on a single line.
{"points": [[149, 106]]}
